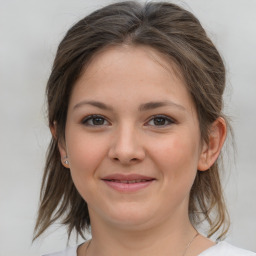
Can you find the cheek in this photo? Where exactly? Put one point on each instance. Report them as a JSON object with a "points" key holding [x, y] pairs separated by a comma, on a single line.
{"points": [[177, 155], [85, 154]]}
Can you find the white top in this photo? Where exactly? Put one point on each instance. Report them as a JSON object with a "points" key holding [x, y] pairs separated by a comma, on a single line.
{"points": [[220, 249]]}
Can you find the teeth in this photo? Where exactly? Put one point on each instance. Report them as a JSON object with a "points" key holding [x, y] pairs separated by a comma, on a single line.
{"points": [[129, 181]]}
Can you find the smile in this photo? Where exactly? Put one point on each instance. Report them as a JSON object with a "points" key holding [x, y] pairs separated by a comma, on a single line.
{"points": [[128, 183]]}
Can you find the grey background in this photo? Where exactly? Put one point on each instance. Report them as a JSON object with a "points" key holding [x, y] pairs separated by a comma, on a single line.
{"points": [[30, 31]]}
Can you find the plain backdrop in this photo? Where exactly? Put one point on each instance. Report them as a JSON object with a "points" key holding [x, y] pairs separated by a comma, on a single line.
{"points": [[30, 31]]}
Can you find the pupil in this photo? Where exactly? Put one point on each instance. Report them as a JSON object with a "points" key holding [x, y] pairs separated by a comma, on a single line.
{"points": [[98, 121], [159, 121]]}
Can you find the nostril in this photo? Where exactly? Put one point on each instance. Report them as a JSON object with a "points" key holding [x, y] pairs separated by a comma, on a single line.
{"points": [[116, 159]]}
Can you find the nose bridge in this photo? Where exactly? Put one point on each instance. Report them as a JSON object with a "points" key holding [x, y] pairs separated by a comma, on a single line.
{"points": [[126, 145]]}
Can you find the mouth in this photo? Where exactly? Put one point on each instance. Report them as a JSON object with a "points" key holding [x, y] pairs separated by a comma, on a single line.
{"points": [[128, 183]]}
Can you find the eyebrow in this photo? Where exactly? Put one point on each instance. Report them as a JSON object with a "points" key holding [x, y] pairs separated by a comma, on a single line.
{"points": [[142, 107], [93, 103], [158, 104]]}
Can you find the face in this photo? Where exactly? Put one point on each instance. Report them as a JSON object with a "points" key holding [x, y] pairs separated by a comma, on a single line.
{"points": [[132, 138]]}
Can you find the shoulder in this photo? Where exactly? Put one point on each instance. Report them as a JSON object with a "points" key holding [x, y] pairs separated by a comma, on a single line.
{"points": [[226, 249], [68, 252]]}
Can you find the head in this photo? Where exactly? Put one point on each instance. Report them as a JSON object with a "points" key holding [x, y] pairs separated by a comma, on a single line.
{"points": [[171, 32]]}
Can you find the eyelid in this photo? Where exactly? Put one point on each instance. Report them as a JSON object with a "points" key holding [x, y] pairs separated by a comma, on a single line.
{"points": [[168, 118], [90, 117]]}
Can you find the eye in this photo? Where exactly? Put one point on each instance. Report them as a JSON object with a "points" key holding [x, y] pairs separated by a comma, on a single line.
{"points": [[95, 120], [160, 120]]}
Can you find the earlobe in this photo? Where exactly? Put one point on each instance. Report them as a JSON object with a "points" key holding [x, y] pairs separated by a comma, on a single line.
{"points": [[63, 155], [211, 150]]}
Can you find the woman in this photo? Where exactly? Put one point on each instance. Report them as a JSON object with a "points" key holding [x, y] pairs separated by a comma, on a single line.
{"points": [[135, 110]]}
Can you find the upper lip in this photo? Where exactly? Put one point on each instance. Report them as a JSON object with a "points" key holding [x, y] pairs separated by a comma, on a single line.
{"points": [[127, 177]]}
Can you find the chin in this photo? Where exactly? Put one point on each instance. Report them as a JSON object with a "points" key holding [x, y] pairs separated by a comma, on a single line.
{"points": [[130, 219]]}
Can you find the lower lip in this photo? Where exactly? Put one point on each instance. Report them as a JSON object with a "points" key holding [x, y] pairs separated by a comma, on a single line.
{"points": [[128, 187]]}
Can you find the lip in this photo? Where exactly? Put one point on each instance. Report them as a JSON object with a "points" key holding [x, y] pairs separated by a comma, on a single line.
{"points": [[128, 183]]}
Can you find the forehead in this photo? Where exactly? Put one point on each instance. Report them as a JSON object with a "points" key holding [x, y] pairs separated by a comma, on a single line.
{"points": [[124, 54], [139, 72]]}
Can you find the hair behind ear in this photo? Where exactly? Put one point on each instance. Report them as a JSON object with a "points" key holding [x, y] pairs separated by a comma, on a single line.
{"points": [[206, 196]]}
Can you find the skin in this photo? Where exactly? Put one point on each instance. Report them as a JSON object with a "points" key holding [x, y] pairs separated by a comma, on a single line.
{"points": [[128, 139]]}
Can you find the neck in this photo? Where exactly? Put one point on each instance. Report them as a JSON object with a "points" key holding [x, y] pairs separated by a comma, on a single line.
{"points": [[167, 238]]}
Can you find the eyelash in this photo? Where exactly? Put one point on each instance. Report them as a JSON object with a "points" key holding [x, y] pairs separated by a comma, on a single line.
{"points": [[167, 119], [92, 118], [86, 120]]}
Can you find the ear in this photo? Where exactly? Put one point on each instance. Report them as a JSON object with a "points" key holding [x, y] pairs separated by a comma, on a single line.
{"points": [[211, 150], [61, 146]]}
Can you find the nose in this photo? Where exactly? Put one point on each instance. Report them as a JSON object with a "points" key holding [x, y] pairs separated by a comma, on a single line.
{"points": [[126, 146]]}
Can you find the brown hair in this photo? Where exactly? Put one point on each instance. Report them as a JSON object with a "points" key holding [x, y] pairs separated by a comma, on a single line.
{"points": [[177, 34]]}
